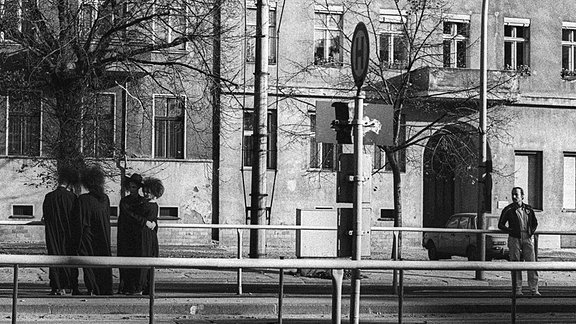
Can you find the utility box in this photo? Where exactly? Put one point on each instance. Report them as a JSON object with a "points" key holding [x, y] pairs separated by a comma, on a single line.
{"points": [[317, 243], [346, 230]]}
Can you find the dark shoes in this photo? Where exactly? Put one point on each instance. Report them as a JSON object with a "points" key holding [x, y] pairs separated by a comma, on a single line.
{"points": [[58, 292]]}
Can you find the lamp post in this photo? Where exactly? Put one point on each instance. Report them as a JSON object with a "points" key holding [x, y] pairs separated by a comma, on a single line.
{"points": [[482, 152]]}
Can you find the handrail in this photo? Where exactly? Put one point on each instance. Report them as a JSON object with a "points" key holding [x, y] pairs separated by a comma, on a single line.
{"points": [[9, 260], [17, 261]]}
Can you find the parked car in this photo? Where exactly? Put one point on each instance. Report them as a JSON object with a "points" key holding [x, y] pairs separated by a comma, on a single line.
{"points": [[446, 245]]}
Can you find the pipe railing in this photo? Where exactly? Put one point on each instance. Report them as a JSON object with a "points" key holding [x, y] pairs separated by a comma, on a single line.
{"points": [[18, 261]]}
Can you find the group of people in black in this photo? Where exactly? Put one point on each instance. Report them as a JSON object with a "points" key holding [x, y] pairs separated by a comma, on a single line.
{"points": [[77, 222]]}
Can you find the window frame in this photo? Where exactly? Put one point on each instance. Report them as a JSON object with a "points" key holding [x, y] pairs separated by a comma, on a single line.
{"points": [[514, 40], [96, 135], [569, 65], [271, 142], [533, 184], [250, 43], [166, 36], [454, 39], [569, 189], [392, 27], [326, 30], [10, 117], [167, 119]]}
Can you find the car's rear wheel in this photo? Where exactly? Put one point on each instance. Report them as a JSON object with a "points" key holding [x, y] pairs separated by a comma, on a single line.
{"points": [[432, 252], [471, 253]]}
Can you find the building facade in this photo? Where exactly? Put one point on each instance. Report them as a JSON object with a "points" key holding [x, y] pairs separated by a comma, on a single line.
{"points": [[531, 60]]}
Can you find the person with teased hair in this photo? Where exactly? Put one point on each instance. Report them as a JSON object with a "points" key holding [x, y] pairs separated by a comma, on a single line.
{"points": [[92, 229], [56, 215]]}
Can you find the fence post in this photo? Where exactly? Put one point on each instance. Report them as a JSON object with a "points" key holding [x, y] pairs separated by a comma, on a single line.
{"points": [[337, 276], [15, 294], [536, 237], [151, 288], [514, 287], [395, 255], [239, 273], [281, 294], [400, 295]]}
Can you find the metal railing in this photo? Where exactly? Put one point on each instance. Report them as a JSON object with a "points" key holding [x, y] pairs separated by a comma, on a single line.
{"points": [[18, 261], [240, 242]]}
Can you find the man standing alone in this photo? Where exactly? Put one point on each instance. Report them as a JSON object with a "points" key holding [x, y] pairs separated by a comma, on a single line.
{"points": [[521, 226]]}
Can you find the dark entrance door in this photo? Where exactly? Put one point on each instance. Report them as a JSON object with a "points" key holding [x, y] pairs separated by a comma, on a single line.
{"points": [[450, 175]]}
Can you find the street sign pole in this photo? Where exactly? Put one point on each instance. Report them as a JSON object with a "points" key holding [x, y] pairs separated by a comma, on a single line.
{"points": [[359, 55]]}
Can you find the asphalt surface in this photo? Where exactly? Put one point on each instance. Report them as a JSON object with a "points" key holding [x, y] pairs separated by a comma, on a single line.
{"points": [[211, 296]]}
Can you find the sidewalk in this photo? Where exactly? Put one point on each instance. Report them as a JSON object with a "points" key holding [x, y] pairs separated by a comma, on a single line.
{"points": [[185, 292]]}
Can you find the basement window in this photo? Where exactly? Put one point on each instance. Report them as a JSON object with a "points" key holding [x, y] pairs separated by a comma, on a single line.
{"points": [[169, 213], [22, 211]]}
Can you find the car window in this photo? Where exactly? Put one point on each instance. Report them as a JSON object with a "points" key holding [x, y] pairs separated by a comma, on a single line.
{"points": [[452, 222], [492, 222], [464, 222]]}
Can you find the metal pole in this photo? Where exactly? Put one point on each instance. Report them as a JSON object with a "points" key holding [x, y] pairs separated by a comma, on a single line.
{"points": [[260, 135], [482, 137], [395, 272], [281, 293], [514, 287], [239, 273], [151, 284], [15, 294], [536, 237], [401, 297], [337, 276], [357, 206]]}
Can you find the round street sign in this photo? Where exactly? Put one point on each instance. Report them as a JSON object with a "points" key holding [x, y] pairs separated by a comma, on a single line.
{"points": [[360, 54]]}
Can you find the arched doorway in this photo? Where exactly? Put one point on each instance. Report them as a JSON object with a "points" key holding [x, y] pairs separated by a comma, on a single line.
{"points": [[450, 175]]}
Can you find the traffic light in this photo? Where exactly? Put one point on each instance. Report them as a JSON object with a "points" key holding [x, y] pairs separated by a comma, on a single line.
{"points": [[342, 123]]}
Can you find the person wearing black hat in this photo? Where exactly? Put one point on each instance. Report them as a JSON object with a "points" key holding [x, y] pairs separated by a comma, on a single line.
{"points": [[57, 212], [129, 234]]}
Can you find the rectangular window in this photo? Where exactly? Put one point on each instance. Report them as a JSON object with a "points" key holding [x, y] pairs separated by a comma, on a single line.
{"points": [[328, 38], [322, 155], [569, 185], [528, 176], [169, 127], [24, 124], [98, 127], [22, 211], [516, 45], [569, 50], [271, 143], [168, 213], [455, 44], [251, 35], [13, 14], [393, 42], [170, 23]]}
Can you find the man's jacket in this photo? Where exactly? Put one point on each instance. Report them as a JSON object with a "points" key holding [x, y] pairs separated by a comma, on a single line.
{"points": [[509, 216]]}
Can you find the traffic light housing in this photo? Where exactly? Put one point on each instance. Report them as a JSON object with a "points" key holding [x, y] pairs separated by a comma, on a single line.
{"points": [[342, 124]]}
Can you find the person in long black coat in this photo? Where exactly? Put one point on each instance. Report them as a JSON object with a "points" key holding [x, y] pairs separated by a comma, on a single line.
{"points": [[152, 189], [92, 230], [129, 233], [57, 212]]}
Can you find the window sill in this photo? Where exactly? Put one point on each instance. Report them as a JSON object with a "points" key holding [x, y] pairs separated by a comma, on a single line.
{"points": [[169, 218], [21, 216], [567, 210], [320, 170]]}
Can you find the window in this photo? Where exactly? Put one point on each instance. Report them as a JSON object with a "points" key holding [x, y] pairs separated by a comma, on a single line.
{"points": [[13, 16], [455, 43], [528, 176], [24, 124], [170, 23], [251, 32], [569, 186], [322, 155], [98, 127], [328, 38], [393, 42], [22, 211], [271, 142], [568, 50], [168, 213], [169, 127], [516, 50]]}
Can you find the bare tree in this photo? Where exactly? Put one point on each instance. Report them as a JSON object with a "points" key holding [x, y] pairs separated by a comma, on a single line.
{"points": [[64, 53]]}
